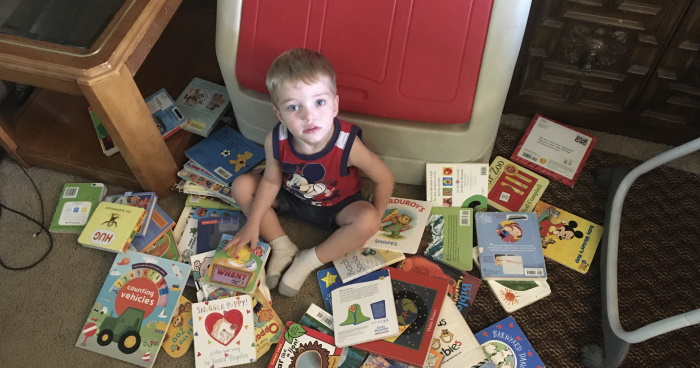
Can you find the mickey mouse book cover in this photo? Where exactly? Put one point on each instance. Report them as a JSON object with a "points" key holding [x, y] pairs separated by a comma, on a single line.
{"points": [[226, 154]]}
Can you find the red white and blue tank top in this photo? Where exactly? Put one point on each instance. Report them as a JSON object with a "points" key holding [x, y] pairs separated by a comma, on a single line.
{"points": [[323, 178]]}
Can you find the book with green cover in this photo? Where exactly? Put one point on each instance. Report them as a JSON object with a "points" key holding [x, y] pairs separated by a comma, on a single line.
{"points": [[112, 227], [75, 206], [448, 237]]}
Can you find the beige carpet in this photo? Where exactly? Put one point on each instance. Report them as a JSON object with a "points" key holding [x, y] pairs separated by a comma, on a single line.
{"points": [[45, 307]]}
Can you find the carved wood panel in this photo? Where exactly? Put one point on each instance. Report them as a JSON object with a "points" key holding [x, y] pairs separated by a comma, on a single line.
{"points": [[590, 63]]}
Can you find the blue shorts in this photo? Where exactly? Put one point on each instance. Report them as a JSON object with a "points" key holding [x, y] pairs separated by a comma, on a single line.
{"points": [[290, 205]]}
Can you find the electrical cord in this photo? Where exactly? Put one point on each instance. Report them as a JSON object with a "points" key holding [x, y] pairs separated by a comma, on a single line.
{"points": [[41, 225]]}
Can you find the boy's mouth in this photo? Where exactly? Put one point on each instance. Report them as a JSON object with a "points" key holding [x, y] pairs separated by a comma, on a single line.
{"points": [[311, 130]]}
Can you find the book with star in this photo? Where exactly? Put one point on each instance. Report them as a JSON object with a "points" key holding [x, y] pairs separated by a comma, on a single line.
{"points": [[224, 332]]}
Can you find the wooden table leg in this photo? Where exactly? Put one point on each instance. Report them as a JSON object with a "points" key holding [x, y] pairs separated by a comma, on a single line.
{"points": [[9, 142], [118, 102]]}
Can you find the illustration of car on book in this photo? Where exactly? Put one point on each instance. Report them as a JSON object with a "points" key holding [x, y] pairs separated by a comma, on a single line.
{"points": [[125, 329]]}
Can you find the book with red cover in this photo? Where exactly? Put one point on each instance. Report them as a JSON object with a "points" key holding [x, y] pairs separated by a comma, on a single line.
{"points": [[554, 149], [418, 302]]}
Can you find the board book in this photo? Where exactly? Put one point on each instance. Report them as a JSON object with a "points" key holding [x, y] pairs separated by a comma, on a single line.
{"points": [[200, 267], [237, 273], [145, 200], [454, 340], [360, 262], [418, 301], [203, 202], [554, 149], [75, 206], [159, 225], [457, 184], [210, 229], [305, 347], [364, 311], [134, 307], [462, 286], [180, 333], [402, 226], [505, 343], [509, 246], [329, 280], [106, 143], [204, 182], [448, 237], [112, 227], [202, 103], [268, 325], [513, 188], [513, 295], [190, 188], [566, 238], [226, 154], [224, 332], [164, 247], [165, 113]]}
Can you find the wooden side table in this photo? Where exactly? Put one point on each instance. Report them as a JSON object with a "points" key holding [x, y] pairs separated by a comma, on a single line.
{"points": [[103, 74]]}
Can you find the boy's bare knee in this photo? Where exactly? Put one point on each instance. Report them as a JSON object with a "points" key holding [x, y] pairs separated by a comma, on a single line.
{"points": [[244, 185], [368, 223]]}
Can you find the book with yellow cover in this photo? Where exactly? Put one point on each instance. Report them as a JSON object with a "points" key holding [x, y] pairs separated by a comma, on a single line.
{"points": [[513, 188], [566, 238], [112, 227]]}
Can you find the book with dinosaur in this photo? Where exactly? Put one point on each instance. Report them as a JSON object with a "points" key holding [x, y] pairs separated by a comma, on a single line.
{"points": [[457, 184], [364, 311], [448, 237], [224, 332], [112, 227], [513, 188], [509, 246], [134, 307], [226, 153], [75, 206], [402, 226], [566, 238], [505, 344]]}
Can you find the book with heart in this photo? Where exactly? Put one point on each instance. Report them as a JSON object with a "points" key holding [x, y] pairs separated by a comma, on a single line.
{"points": [[224, 332]]}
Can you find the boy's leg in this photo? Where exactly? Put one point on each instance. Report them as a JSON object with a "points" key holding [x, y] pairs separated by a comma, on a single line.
{"points": [[243, 191], [358, 222]]}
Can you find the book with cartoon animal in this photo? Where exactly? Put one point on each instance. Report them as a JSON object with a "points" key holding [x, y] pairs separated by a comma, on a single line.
{"points": [[513, 188], [364, 311], [180, 333], [566, 238], [112, 227], [134, 307], [554, 149], [448, 237], [75, 206], [268, 325], [514, 295], [360, 262], [159, 225], [203, 181], [329, 280], [505, 344], [402, 226], [418, 301], [202, 103], [145, 200], [509, 246], [224, 332], [305, 347], [457, 184], [462, 286], [226, 153], [455, 340], [239, 273]]}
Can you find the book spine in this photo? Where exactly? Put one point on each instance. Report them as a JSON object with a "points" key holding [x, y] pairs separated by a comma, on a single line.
{"points": [[204, 182]]}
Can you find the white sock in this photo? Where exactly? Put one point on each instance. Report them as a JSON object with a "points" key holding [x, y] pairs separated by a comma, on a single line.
{"points": [[283, 251], [304, 263]]}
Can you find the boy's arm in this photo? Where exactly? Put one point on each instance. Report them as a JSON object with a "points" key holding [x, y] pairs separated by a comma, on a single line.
{"points": [[376, 170], [265, 195]]}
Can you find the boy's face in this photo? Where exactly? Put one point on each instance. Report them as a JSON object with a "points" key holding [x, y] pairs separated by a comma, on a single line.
{"points": [[308, 110]]}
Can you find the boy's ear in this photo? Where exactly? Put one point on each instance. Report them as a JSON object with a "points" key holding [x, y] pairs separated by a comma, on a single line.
{"points": [[337, 106], [277, 112]]}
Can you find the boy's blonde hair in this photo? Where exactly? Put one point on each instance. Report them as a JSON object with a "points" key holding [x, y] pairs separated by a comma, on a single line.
{"points": [[298, 65]]}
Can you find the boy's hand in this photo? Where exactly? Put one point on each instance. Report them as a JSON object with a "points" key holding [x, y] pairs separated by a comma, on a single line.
{"points": [[247, 235]]}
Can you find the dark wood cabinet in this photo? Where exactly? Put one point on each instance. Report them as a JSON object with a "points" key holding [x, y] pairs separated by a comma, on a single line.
{"points": [[624, 67]]}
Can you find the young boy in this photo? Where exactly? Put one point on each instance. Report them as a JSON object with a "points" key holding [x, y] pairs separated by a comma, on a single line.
{"points": [[312, 170]]}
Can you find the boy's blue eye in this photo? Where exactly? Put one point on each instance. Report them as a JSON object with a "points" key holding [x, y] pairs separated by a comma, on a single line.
{"points": [[320, 102], [292, 108]]}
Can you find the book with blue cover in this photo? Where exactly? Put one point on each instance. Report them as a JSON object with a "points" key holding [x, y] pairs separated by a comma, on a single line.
{"points": [[505, 344], [329, 280], [510, 246], [226, 154], [159, 225], [165, 113], [203, 103]]}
